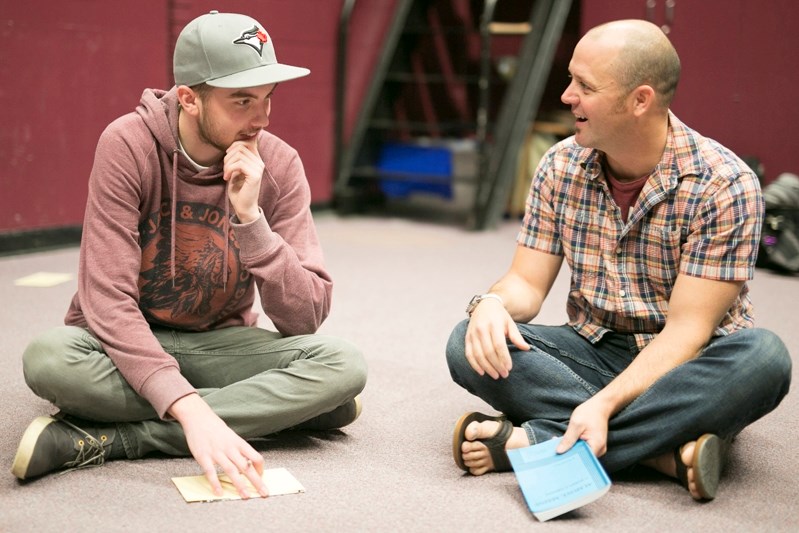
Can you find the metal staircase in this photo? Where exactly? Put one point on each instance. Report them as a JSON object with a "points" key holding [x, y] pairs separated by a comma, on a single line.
{"points": [[421, 90]]}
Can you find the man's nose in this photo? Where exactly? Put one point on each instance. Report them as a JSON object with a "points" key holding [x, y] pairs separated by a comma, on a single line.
{"points": [[569, 96], [261, 119]]}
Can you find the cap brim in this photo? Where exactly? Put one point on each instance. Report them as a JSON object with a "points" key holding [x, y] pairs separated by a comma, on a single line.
{"points": [[262, 75]]}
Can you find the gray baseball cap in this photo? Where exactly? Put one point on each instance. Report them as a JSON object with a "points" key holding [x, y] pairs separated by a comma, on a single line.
{"points": [[228, 50]]}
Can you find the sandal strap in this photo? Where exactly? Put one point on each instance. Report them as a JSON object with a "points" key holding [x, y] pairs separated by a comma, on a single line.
{"points": [[496, 446], [682, 470]]}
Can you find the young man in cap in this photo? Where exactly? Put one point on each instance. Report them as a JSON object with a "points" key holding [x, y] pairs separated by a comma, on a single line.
{"points": [[194, 210], [659, 363]]}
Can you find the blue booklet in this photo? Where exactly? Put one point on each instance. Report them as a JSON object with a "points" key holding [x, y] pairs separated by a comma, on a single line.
{"points": [[553, 484]]}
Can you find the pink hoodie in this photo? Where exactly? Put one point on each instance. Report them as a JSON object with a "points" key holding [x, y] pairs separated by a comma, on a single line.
{"points": [[154, 249]]}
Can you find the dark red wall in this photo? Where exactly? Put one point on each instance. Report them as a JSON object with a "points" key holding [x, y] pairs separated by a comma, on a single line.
{"points": [[66, 70], [69, 67], [739, 74]]}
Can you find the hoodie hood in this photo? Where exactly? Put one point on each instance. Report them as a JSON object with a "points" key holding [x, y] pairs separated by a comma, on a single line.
{"points": [[160, 110]]}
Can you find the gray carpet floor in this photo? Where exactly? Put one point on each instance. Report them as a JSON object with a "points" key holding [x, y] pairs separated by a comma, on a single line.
{"points": [[401, 285]]}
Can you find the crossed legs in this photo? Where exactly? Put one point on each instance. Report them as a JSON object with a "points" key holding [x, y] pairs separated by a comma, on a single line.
{"points": [[736, 380], [256, 381]]}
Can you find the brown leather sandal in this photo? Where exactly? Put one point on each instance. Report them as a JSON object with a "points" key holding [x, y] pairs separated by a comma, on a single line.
{"points": [[710, 455], [495, 444]]}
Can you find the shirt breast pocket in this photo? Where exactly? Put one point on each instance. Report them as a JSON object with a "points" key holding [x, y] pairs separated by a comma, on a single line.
{"points": [[581, 235], [661, 254]]}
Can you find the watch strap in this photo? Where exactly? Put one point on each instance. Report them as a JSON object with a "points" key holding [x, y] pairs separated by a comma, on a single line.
{"points": [[479, 298]]}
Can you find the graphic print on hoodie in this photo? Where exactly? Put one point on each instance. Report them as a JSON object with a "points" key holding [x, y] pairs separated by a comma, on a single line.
{"points": [[201, 282]]}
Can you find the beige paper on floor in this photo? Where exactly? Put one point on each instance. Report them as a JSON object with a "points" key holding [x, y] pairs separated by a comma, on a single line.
{"points": [[278, 481], [43, 279]]}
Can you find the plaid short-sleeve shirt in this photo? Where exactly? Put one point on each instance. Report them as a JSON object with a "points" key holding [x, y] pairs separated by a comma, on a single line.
{"points": [[699, 214]]}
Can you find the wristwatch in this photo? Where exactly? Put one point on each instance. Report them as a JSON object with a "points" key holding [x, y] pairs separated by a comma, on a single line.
{"points": [[477, 298]]}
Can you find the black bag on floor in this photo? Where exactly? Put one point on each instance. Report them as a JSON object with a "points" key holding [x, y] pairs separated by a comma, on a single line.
{"points": [[779, 241]]}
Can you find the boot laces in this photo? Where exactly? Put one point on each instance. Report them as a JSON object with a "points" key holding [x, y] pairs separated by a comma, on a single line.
{"points": [[90, 454]]}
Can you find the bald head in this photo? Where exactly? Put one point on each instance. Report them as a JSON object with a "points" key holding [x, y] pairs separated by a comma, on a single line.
{"points": [[645, 56]]}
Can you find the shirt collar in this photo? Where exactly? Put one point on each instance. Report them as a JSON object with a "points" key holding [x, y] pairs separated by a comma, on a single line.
{"points": [[681, 153], [682, 150]]}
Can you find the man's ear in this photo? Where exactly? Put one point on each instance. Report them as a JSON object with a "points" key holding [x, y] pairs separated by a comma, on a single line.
{"points": [[644, 99], [189, 100]]}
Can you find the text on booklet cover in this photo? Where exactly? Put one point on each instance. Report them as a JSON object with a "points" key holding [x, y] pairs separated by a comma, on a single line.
{"points": [[552, 483]]}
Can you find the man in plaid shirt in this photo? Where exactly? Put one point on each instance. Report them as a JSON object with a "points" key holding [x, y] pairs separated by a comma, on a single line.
{"points": [[659, 363]]}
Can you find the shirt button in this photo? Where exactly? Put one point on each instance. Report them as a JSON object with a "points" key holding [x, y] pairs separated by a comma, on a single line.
{"points": [[618, 250], [623, 292]]}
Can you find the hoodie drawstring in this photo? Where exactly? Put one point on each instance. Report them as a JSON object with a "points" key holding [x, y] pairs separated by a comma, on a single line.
{"points": [[226, 230], [174, 214]]}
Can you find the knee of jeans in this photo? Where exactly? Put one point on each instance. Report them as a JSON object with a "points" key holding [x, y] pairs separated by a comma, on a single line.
{"points": [[766, 354], [777, 360], [456, 350], [43, 362], [357, 372], [351, 363]]}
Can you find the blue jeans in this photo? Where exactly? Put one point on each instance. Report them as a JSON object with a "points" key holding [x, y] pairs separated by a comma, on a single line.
{"points": [[736, 380], [257, 381]]}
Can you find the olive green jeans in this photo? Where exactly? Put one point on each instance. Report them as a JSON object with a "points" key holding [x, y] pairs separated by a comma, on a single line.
{"points": [[257, 381]]}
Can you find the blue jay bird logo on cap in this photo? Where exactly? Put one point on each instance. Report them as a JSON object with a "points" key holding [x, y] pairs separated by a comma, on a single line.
{"points": [[254, 38]]}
